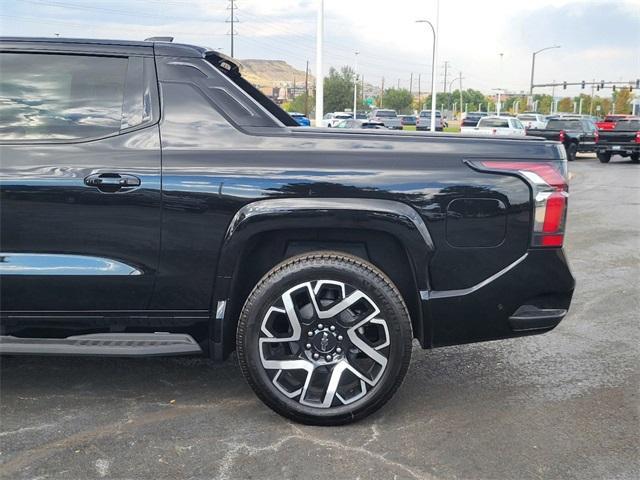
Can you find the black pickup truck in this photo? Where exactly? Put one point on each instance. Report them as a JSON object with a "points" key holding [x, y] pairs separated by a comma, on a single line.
{"points": [[156, 203], [576, 134], [623, 140]]}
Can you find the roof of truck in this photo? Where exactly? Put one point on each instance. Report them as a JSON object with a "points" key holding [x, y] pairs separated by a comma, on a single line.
{"points": [[160, 47]]}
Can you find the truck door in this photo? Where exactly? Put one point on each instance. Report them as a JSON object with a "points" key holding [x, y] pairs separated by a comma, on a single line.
{"points": [[79, 178]]}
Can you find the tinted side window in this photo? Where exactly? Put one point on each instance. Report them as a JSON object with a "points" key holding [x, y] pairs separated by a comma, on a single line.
{"points": [[58, 97]]}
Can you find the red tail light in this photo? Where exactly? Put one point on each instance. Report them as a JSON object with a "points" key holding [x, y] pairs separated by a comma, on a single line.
{"points": [[550, 193], [562, 136], [638, 137], [597, 136]]}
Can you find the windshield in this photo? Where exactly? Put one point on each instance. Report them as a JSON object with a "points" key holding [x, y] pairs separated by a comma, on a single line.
{"points": [[564, 125], [386, 113], [528, 118], [427, 113]]}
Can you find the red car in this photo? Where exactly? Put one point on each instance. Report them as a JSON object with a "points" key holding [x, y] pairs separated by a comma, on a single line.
{"points": [[610, 121]]}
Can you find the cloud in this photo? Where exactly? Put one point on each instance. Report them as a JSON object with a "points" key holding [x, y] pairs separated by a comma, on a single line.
{"points": [[600, 38]]}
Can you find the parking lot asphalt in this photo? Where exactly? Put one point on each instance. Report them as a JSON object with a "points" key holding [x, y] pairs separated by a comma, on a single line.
{"points": [[557, 406]]}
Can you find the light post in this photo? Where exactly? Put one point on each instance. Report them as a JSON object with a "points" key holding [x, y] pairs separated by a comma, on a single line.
{"points": [[433, 65], [319, 73], [355, 84], [533, 66]]}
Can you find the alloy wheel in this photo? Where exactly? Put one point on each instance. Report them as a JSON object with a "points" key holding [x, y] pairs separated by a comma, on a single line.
{"points": [[324, 343]]}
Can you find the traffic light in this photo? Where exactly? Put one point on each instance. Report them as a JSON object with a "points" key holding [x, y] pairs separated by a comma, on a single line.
{"points": [[638, 83], [564, 85], [602, 84], [614, 88], [597, 88], [583, 84]]}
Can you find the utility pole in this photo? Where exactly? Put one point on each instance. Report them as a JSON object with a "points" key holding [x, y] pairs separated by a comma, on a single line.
{"points": [[293, 92], [398, 84], [446, 65], [461, 91], [419, 94], [553, 96], [232, 20], [355, 85], [411, 84], [593, 86], [306, 91], [362, 89], [381, 92], [319, 69]]}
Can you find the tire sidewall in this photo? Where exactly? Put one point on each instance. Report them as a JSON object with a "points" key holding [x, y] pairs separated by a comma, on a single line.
{"points": [[392, 310]]}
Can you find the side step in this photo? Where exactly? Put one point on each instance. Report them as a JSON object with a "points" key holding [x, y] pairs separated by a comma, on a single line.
{"points": [[103, 344]]}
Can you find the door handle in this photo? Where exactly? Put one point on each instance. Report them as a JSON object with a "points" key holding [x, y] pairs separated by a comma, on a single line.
{"points": [[112, 182]]}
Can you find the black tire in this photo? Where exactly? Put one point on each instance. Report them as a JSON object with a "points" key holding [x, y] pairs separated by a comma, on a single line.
{"points": [[572, 150], [604, 157], [635, 157], [316, 274]]}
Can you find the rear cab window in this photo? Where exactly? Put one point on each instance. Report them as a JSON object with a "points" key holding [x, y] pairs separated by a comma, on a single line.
{"points": [[66, 97], [493, 123], [627, 125], [564, 125], [386, 113]]}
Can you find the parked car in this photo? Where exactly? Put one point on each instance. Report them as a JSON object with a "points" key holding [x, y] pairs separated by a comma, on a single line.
{"points": [[623, 140], [498, 125], [388, 117], [576, 134], [317, 256], [424, 121], [331, 119], [301, 118], [532, 120], [407, 120], [610, 121], [470, 120], [355, 123]]}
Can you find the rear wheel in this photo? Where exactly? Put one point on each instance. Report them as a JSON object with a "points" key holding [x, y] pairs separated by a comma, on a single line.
{"points": [[572, 151], [604, 157], [635, 157], [324, 339]]}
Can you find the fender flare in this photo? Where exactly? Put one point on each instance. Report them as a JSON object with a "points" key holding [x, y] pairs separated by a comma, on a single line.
{"points": [[389, 216]]}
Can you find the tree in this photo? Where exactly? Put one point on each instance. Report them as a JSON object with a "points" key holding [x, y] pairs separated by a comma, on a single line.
{"points": [[565, 105], [622, 100], [398, 99], [298, 104], [338, 90], [544, 103]]}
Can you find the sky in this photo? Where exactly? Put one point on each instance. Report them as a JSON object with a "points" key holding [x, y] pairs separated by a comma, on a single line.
{"points": [[599, 39]]}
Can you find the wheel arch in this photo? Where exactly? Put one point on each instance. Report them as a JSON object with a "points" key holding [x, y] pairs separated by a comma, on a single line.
{"points": [[265, 232]]}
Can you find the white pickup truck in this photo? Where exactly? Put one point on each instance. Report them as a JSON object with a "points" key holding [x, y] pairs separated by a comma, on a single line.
{"points": [[496, 125]]}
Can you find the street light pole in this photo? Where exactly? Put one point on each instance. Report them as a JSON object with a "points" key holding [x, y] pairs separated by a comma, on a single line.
{"points": [[533, 66], [433, 64], [319, 73], [355, 85]]}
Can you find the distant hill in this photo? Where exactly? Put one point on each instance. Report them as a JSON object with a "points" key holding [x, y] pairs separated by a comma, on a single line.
{"points": [[272, 73]]}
